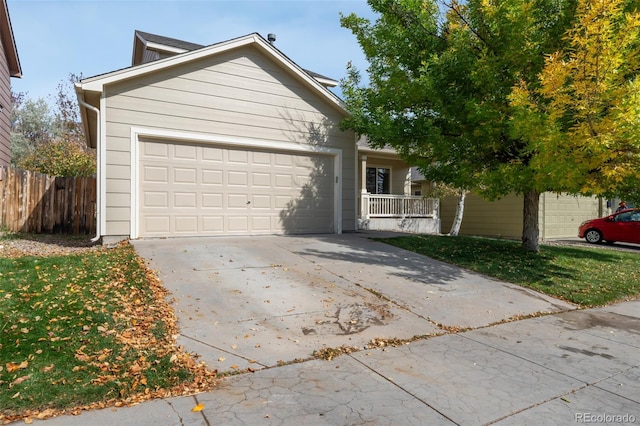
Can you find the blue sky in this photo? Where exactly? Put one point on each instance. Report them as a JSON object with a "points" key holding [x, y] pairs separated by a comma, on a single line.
{"points": [[90, 37]]}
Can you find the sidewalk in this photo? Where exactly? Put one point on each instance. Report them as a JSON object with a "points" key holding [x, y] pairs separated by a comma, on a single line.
{"points": [[566, 368]]}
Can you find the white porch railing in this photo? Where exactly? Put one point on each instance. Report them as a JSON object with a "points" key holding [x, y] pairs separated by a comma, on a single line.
{"points": [[386, 205]]}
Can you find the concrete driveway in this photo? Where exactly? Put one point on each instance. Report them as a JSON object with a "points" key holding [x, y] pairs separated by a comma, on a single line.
{"points": [[256, 302]]}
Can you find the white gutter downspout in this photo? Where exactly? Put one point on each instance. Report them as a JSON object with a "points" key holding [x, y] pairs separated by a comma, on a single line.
{"points": [[98, 169]]}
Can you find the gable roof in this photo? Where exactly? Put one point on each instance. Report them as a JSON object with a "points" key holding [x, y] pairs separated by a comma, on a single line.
{"points": [[166, 46], [146, 41], [8, 41], [89, 90]]}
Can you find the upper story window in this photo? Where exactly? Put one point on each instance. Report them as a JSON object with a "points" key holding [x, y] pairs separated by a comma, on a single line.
{"points": [[378, 180]]}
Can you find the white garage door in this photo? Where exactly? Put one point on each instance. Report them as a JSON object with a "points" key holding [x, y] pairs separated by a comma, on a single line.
{"points": [[188, 189]]}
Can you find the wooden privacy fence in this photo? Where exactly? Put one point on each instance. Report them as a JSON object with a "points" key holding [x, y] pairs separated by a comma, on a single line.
{"points": [[37, 203]]}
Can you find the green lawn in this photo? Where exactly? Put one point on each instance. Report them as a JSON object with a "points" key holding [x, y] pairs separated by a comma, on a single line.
{"points": [[90, 328], [585, 276], [93, 329]]}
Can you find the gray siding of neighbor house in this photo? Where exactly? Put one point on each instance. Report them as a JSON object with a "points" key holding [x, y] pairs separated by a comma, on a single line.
{"points": [[559, 215], [237, 94], [5, 101]]}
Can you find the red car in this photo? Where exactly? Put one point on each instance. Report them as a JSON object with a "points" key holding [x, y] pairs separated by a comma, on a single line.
{"points": [[623, 226]]}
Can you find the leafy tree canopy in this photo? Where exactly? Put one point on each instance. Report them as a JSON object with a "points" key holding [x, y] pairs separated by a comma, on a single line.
{"points": [[457, 88], [50, 140]]}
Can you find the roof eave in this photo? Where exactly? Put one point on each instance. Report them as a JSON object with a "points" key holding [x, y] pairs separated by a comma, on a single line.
{"points": [[91, 137], [9, 42]]}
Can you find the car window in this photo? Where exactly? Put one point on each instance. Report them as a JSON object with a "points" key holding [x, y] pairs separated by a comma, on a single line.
{"points": [[635, 217], [624, 217]]}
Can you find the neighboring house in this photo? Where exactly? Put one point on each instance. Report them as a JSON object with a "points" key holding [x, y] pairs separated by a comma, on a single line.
{"points": [[559, 215], [9, 67], [228, 139]]}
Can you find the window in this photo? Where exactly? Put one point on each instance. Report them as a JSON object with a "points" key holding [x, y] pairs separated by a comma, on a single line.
{"points": [[632, 216], [378, 180]]}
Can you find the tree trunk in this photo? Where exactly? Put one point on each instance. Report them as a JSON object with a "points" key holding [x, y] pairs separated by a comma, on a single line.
{"points": [[530, 221], [457, 221]]}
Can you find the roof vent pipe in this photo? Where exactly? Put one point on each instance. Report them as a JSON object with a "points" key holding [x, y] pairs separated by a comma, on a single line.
{"points": [[271, 37]]}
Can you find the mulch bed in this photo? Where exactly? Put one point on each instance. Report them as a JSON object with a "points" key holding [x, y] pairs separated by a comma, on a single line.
{"points": [[17, 245]]}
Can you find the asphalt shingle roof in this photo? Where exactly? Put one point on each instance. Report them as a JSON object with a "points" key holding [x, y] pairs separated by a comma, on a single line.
{"points": [[168, 41]]}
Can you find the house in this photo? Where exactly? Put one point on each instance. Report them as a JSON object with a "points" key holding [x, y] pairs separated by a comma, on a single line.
{"points": [[233, 138], [9, 67]]}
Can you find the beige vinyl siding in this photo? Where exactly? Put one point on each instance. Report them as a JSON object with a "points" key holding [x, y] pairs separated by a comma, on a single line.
{"points": [[501, 218], [5, 101], [238, 94], [559, 215]]}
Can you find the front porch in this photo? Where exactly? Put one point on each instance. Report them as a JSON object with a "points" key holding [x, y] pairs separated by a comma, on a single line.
{"points": [[387, 200], [403, 213]]}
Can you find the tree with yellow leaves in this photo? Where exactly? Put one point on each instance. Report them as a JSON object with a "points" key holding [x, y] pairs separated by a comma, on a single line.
{"points": [[582, 118], [504, 97]]}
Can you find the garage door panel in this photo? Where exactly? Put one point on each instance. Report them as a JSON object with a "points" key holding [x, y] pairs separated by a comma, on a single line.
{"points": [[212, 177], [157, 224], [186, 224], [156, 199], [238, 157], [238, 223], [187, 189], [261, 180], [261, 223], [282, 201], [283, 181], [157, 150], [283, 160], [212, 200], [237, 201], [261, 158], [185, 152], [261, 202], [237, 178], [184, 175], [212, 154], [213, 224], [184, 199], [155, 174]]}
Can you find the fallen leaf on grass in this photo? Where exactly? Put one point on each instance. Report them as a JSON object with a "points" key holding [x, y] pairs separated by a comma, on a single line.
{"points": [[198, 408], [12, 366], [19, 380], [47, 368]]}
